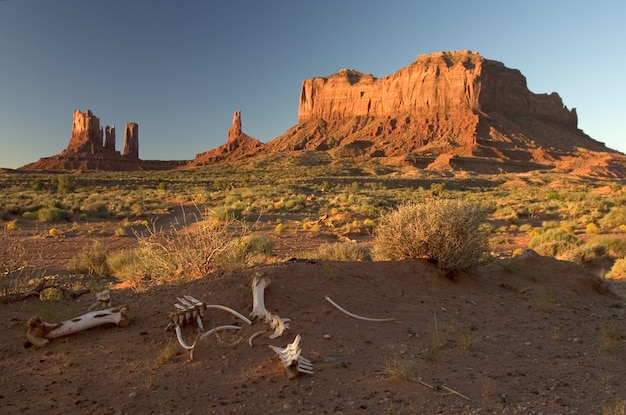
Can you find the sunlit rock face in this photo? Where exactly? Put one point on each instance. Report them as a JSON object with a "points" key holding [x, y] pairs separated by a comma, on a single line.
{"points": [[450, 104]]}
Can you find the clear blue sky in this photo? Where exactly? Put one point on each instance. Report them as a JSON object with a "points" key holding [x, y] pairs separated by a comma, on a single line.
{"points": [[180, 68]]}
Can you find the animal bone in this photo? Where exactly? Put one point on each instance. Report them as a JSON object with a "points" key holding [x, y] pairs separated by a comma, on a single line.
{"points": [[276, 323], [39, 333], [103, 300], [191, 309], [343, 310], [212, 331], [292, 360], [259, 282]]}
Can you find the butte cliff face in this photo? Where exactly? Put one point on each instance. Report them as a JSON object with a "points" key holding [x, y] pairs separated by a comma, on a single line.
{"points": [[441, 109]]}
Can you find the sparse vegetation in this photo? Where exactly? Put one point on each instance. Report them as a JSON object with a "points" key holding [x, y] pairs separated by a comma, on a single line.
{"points": [[445, 231], [344, 251], [91, 260]]}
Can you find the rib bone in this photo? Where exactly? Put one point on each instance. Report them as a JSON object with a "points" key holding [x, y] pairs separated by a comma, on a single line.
{"points": [[343, 310], [39, 332]]}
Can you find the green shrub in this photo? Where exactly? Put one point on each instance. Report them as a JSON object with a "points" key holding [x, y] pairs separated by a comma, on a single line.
{"points": [[618, 271], [66, 183], [257, 244], [12, 225], [553, 242], [584, 253], [91, 260], [615, 218], [51, 214], [445, 231], [591, 228], [613, 245], [343, 251]]}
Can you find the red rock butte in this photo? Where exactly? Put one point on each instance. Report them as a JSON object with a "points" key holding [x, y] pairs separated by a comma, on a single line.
{"points": [[445, 110]]}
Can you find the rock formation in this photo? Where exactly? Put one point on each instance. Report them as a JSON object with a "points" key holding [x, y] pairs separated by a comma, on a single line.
{"points": [[93, 148], [131, 141], [238, 146], [109, 137], [456, 104], [235, 131], [86, 133]]}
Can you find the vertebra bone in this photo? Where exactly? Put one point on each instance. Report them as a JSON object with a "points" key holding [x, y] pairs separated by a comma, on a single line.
{"points": [[291, 359]]}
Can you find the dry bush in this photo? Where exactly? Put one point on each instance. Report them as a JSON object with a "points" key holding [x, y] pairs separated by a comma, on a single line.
{"points": [[343, 251], [618, 271], [92, 260], [182, 254], [446, 231]]}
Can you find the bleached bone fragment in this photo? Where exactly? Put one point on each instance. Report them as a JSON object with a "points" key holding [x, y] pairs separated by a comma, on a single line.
{"points": [[103, 300], [259, 282], [292, 360], [343, 310], [39, 332], [279, 325], [255, 335]]}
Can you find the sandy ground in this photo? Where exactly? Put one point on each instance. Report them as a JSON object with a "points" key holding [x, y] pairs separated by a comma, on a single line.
{"points": [[528, 335]]}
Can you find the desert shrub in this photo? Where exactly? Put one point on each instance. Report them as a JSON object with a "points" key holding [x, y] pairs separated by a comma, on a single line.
{"points": [[618, 271], [553, 242], [257, 244], [51, 214], [446, 231], [527, 227], [550, 224], [36, 185], [583, 253], [343, 251], [226, 214], [66, 183], [176, 255], [553, 195], [12, 225], [613, 245], [92, 259], [591, 228], [615, 218]]}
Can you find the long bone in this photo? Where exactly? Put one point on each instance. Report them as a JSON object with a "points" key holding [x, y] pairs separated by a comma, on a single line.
{"points": [[292, 360], [258, 283], [39, 332]]}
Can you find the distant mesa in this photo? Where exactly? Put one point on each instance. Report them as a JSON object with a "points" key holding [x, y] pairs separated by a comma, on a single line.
{"points": [[445, 111]]}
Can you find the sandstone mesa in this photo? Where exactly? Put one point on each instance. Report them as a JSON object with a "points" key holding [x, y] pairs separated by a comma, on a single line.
{"points": [[446, 110]]}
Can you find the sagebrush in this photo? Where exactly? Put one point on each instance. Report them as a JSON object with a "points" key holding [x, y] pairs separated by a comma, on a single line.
{"points": [[446, 231]]}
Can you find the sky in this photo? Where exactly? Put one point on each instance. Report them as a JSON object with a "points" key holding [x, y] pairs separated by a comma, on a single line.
{"points": [[181, 68]]}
